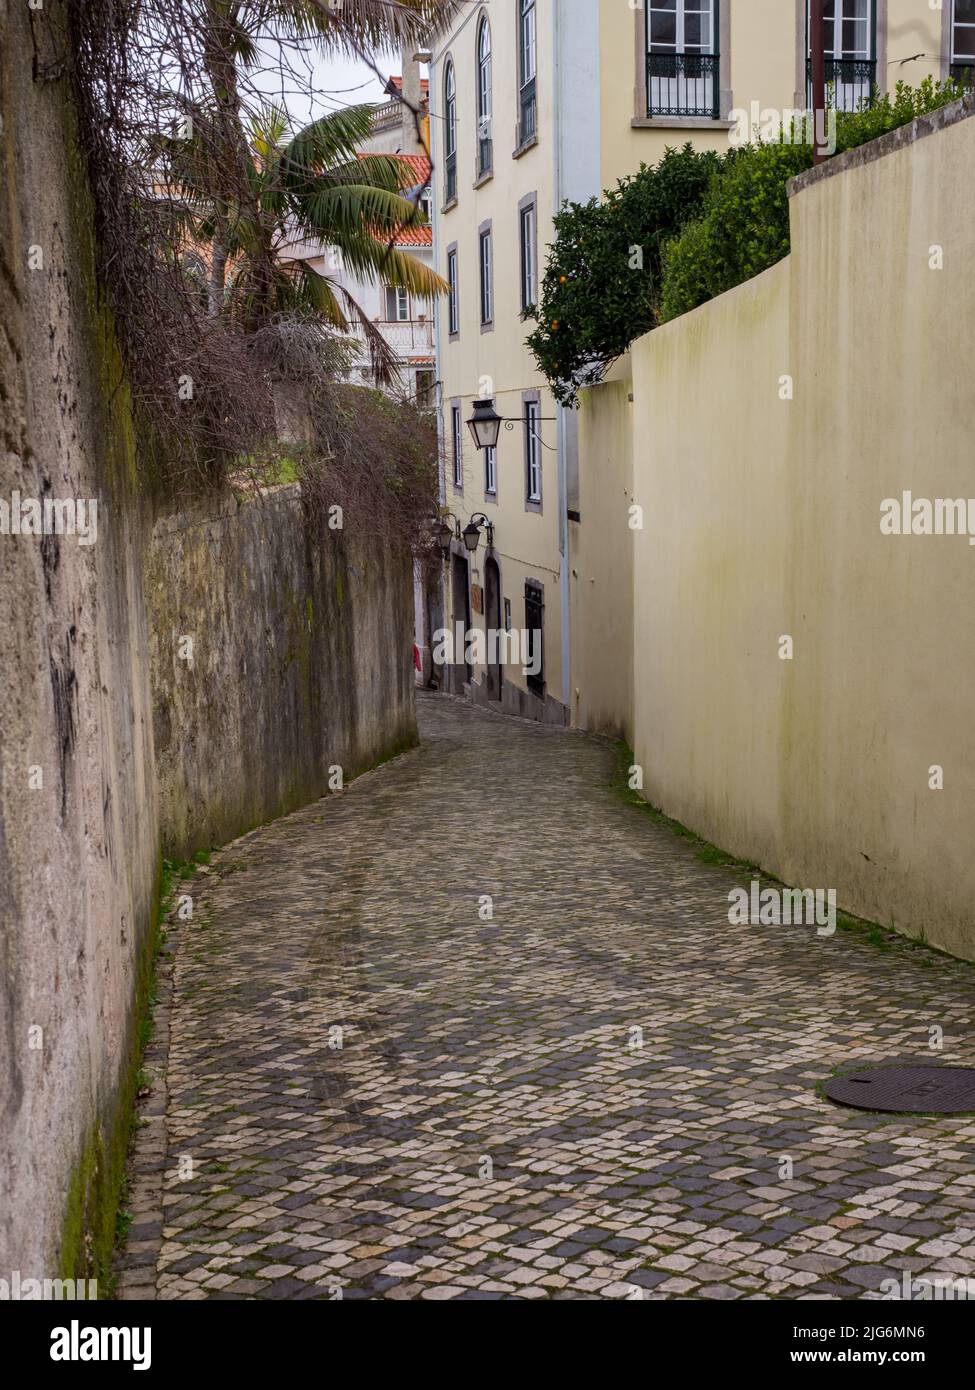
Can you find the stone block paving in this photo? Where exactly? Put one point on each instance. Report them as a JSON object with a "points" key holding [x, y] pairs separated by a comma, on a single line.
{"points": [[602, 1091]]}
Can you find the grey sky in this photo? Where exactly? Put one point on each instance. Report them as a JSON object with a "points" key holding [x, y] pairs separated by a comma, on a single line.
{"points": [[308, 92]]}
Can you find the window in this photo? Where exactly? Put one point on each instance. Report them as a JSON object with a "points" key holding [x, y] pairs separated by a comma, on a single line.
{"points": [[485, 148], [527, 122], [527, 241], [425, 387], [450, 132], [682, 58], [453, 307], [457, 446], [533, 452], [850, 41], [491, 471], [397, 305], [535, 628], [486, 269], [963, 41]]}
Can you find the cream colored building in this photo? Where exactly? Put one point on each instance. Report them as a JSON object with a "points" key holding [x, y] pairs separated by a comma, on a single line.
{"points": [[536, 101]]}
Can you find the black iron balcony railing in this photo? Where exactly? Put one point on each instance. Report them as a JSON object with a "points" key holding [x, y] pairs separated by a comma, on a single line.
{"points": [[850, 82], [528, 118], [450, 177], [963, 70], [683, 84]]}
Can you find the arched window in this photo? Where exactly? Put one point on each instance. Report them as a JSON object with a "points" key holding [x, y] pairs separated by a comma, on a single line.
{"points": [[527, 120], [450, 130], [485, 150]]}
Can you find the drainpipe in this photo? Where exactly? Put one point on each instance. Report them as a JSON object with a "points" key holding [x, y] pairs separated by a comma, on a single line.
{"points": [[562, 440], [818, 46], [437, 316]]}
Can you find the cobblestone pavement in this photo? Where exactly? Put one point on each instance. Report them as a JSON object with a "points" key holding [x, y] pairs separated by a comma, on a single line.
{"points": [[489, 1126]]}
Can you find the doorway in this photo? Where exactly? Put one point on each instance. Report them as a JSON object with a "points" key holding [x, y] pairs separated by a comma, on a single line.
{"points": [[492, 619], [461, 590]]}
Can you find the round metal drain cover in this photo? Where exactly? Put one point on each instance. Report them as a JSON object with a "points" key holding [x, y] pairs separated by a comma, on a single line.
{"points": [[901, 1090]]}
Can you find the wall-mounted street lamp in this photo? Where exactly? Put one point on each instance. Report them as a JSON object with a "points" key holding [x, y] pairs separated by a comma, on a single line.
{"points": [[444, 533], [485, 424], [472, 532]]}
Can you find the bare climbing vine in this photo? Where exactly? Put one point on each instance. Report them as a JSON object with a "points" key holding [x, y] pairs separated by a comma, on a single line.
{"points": [[182, 135]]}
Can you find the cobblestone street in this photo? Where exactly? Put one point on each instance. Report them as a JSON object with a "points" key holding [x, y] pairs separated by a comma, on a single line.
{"points": [[384, 1095]]}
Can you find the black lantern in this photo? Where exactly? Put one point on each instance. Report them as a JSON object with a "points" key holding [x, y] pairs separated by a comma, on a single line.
{"points": [[444, 532], [485, 425], [472, 532]]}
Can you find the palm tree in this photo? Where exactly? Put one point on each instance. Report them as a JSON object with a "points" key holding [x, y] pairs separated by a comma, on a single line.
{"points": [[249, 188], [313, 187]]}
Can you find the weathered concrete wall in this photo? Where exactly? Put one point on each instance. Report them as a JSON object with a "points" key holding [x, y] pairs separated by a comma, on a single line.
{"points": [[302, 660], [763, 521], [78, 854]]}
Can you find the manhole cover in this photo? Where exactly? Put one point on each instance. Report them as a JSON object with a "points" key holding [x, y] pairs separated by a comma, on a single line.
{"points": [[935, 1090]]}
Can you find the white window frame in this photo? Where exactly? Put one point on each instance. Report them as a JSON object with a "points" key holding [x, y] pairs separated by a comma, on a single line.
{"points": [[527, 228], [957, 25], [839, 18], [457, 446], [684, 7], [533, 452], [527, 42], [401, 304], [485, 258], [453, 308], [450, 109], [491, 471]]}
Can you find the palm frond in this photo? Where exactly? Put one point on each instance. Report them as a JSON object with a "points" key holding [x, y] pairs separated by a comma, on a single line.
{"points": [[332, 139]]}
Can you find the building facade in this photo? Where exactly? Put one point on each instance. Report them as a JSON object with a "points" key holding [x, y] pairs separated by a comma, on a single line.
{"points": [[533, 102]]}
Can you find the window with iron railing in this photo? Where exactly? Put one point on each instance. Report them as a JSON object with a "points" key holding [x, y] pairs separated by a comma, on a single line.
{"points": [[683, 64], [527, 74], [850, 45]]}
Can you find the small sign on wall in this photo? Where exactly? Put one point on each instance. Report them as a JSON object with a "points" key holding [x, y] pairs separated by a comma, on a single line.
{"points": [[477, 598]]}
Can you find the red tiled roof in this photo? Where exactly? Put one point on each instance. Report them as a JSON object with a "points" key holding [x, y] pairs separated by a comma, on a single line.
{"points": [[416, 167], [395, 84], [416, 173], [415, 236]]}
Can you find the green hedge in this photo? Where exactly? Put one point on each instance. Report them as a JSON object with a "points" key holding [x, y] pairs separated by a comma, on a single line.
{"points": [[744, 226], [601, 286]]}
